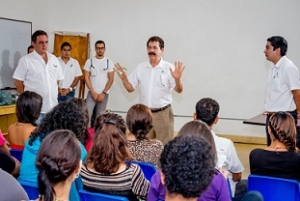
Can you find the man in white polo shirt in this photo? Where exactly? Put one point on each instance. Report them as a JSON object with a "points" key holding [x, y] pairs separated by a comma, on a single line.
{"points": [[207, 110], [156, 79], [283, 85], [39, 72], [72, 73]]}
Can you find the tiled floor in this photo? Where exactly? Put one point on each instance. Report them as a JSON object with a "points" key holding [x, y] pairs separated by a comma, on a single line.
{"points": [[243, 151]]}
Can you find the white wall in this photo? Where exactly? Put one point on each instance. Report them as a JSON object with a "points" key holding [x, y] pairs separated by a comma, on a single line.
{"points": [[220, 42]]}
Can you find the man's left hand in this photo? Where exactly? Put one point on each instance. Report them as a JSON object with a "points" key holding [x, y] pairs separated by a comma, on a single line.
{"points": [[177, 73]]}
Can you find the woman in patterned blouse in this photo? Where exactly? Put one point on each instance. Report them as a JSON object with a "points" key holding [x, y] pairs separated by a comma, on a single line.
{"points": [[139, 122]]}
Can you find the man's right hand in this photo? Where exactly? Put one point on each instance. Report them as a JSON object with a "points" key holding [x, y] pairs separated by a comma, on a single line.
{"points": [[120, 71], [95, 95]]}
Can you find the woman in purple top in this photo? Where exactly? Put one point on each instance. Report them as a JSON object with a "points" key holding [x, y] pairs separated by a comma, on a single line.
{"points": [[218, 189]]}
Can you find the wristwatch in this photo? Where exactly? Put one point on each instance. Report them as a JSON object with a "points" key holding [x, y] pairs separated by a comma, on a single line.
{"points": [[104, 92]]}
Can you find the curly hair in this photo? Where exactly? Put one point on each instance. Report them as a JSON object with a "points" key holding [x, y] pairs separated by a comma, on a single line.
{"points": [[66, 115], [109, 149], [28, 107], [56, 166], [283, 129], [199, 128], [207, 110], [187, 164], [139, 121]]}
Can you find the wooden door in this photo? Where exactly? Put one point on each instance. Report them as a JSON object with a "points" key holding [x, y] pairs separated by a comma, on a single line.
{"points": [[80, 50]]}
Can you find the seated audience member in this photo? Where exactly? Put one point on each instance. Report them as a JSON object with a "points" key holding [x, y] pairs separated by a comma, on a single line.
{"points": [[139, 123], [10, 189], [187, 167], [59, 168], [28, 108], [66, 115], [8, 163], [107, 168], [207, 110], [280, 159], [218, 188]]}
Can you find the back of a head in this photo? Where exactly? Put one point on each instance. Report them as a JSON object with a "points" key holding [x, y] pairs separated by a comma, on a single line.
{"points": [[139, 120], [279, 42], [28, 107], [207, 110], [283, 129], [57, 160], [187, 165], [66, 115], [109, 147], [199, 128]]}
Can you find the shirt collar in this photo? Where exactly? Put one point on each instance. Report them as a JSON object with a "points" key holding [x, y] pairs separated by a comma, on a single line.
{"points": [[159, 65], [277, 65]]}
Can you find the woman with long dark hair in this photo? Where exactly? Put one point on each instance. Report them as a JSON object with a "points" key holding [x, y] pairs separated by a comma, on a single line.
{"points": [[66, 115], [59, 168], [107, 168], [28, 109]]}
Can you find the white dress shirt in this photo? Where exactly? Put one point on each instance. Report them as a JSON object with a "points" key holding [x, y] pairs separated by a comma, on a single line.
{"points": [[155, 83], [40, 77]]}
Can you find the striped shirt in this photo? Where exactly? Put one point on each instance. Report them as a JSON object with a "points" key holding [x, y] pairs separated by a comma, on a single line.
{"points": [[130, 183]]}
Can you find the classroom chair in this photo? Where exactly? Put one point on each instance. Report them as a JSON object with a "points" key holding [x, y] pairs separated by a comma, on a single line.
{"points": [[90, 196], [17, 153], [31, 189], [274, 189], [147, 168]]}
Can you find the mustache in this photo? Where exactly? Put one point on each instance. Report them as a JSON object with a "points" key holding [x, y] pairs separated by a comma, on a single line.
{"points": [[152, 53]]}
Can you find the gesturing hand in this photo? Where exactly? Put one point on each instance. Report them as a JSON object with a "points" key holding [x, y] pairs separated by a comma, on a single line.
{"points": [[120, 71], [177, 73]]}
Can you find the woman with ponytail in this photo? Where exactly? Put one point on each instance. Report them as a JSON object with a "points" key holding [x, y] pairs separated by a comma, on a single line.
{"points": [[58, 162], [107, 168], [139, 122], [70, 115], [281, 158]]}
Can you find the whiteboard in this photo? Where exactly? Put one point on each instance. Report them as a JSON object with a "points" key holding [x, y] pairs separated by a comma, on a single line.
{"points": [[15, 37]]}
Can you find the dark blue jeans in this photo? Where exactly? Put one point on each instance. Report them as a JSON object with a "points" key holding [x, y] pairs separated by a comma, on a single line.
{"points": [[68, 96], [294, 114]]}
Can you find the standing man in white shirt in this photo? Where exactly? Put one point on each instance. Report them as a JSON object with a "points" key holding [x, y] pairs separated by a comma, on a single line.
{"points": [[39, 72], [156, 79], [283, 85], [72, 73], [207, 110], [99, 76]]}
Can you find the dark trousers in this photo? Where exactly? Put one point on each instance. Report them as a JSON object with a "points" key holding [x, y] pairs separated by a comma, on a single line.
{"points": [[294, 114]]}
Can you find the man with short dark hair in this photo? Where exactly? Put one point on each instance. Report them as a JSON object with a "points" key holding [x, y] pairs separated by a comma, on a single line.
{"points": [[156, 79], [30, 49], [72, 73], [39, 72], [207, 110], [283, 85], [99, 76]]}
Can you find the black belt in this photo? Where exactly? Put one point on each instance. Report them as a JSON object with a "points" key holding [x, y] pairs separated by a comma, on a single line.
{"points": [[155, 110], [271, 113]]}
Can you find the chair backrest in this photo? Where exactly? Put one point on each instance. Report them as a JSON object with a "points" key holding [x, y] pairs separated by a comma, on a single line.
{"points": [[147, 168], [274, 189], [89, 196], [31, 189], [17, 153]]}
